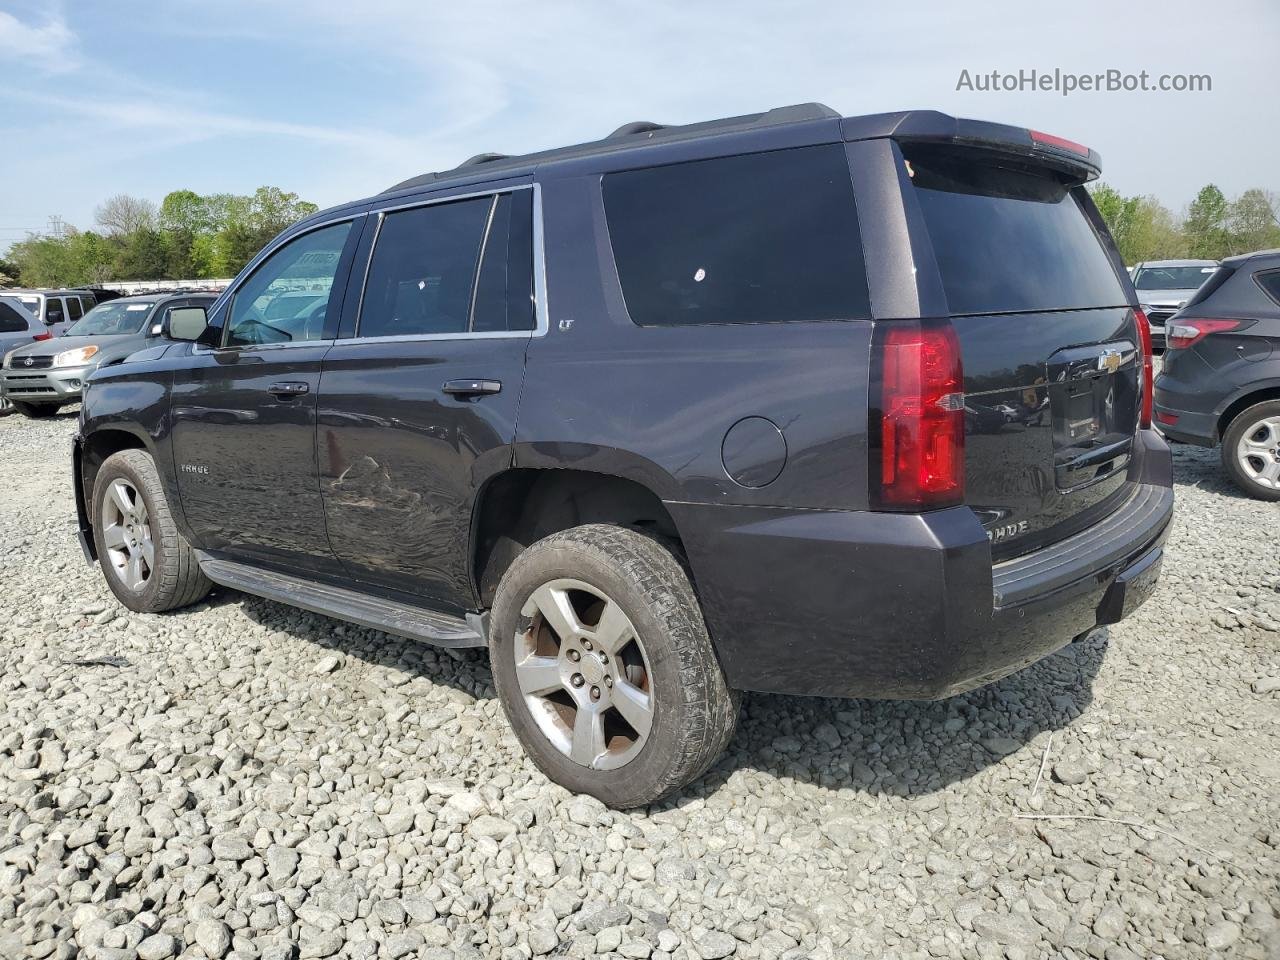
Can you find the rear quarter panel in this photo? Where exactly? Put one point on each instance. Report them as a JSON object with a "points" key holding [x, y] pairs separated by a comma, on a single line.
{"points": [[654, 404]]}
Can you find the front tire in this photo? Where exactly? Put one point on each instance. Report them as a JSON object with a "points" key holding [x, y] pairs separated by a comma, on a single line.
{"points": [[1251, 450], [36, 411], [604, 666], [148, 565]]}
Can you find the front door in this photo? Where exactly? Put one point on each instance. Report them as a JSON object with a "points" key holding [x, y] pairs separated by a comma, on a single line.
{"points": [[418, 409], [244, 413]]}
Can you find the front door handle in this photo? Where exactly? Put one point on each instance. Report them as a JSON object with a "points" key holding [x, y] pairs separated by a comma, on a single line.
{"points": [[292, 388], [471, 388]]}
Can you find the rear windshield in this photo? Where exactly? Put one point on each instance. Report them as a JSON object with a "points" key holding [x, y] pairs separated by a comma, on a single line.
{"points": [[1211, 285], [755, 238], [1009, 239], [1171, 278]]}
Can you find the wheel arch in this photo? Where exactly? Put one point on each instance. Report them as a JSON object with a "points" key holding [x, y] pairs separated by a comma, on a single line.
{"points": [[93, 450], [1254, 393], [519, 506]]}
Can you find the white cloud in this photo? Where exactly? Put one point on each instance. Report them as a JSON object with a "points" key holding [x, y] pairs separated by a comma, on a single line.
{"points": [[50, 47]]}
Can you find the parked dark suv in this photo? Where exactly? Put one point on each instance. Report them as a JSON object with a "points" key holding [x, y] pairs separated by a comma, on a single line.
{"points": [[790, 402], [1220, 379]]}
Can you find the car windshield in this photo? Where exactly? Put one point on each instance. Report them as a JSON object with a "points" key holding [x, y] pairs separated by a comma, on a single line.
{"points": [[116, 318], [1172, 278]]}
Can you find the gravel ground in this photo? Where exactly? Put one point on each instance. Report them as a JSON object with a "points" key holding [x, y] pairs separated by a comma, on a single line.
{"points": [[242, 779]]}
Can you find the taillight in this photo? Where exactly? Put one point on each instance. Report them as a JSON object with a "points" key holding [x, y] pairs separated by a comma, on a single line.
{"points": [[43, 336], [1187, 333], [1148, 374], [918, 429]]}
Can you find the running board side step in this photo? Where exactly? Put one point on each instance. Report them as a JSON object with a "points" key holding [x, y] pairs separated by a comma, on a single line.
{"points": [[402, 619]]}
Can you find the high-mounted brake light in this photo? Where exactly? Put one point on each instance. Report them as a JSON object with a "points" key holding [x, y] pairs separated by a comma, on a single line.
{"points": [[1062, 143], [1187, 333], [919, 423], [1148, 368]]}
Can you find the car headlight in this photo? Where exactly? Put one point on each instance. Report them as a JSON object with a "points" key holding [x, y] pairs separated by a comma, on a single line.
{"points": [[73, 358]]}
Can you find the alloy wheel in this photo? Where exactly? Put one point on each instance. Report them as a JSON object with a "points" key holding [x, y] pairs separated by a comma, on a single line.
{"points": [[126, 534], [584, 674], [1258, 452]]}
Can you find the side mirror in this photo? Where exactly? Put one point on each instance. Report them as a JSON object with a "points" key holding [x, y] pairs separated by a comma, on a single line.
{"points": [[185, 323]]}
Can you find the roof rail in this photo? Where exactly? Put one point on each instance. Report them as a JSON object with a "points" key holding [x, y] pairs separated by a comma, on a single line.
{"points": [[634, 127], [480, 158]]}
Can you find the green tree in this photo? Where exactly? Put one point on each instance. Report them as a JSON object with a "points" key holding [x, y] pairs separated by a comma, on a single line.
{"points": [[144, 257], [10, 275], [1206, 227], [1255, 221], [185, 210]]}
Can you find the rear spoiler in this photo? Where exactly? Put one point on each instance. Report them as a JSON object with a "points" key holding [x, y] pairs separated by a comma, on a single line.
{"points": [[930, 126]]}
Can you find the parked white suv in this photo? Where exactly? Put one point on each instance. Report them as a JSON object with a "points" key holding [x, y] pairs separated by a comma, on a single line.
{"points": [[56, 309]]}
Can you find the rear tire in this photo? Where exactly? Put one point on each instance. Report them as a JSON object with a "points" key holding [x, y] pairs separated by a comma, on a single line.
{"points": [[1251, 450], [665, 710], [36, 411], [148, 565]]}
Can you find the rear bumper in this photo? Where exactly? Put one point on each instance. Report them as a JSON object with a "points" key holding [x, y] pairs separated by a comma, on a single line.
{"points": [[856, 604], [1197, 426]]}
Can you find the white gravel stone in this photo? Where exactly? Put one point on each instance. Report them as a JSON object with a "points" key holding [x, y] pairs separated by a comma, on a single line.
{"points": [[185, 785]]}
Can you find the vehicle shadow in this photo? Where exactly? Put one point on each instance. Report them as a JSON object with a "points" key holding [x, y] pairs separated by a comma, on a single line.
{"points": [[1202, 468], [904, 748]]}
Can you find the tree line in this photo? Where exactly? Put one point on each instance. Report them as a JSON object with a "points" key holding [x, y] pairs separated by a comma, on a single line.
{"points": [[188, 236], [1213, 227]]}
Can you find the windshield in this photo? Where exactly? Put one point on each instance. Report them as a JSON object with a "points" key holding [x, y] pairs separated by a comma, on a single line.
{"points": [[1172, 278], [108, 319]]}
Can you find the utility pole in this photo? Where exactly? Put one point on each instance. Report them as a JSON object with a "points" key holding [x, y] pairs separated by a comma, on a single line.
{"points": [[57, 228]]}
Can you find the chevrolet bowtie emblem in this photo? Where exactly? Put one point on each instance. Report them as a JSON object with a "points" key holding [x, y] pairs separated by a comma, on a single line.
{"points": [[1109, 361]]}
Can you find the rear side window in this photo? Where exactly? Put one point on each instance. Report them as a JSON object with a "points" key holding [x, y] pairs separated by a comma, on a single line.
{"points": [[1008, 239], [11, 321], [1270, 284], [757, 238]]}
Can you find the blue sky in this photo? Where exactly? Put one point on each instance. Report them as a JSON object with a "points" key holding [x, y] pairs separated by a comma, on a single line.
{"points": [[335, 99]]}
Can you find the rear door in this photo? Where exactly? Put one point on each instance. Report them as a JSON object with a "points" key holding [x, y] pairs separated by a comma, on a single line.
{"points": [[418, 407], [244, 413], [1052, 359]]}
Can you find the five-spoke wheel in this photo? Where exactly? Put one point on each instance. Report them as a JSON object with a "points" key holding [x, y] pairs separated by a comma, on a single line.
{"points": [[604, 665], [126, 534], [1251, 450], [584, 675]]}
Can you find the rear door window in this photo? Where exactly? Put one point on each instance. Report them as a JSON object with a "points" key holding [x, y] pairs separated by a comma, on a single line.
{"points": [[74, 312], [1009, 239], [457, 267], [755, 238]]}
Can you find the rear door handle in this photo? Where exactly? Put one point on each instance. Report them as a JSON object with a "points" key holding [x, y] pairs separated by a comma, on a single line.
{"points": [[471, 388], [292, 388]]}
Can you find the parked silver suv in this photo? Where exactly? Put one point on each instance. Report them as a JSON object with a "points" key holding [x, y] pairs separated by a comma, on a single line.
{"points": [[40, 378], [1164, 286]]}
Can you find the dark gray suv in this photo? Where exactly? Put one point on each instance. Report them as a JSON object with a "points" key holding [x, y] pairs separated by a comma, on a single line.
{"points": [[788, 402], [1220, 380]]}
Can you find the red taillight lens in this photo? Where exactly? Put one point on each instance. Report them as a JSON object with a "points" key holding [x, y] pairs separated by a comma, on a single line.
{"points": [[1148, 374], [920, 421], [43, 336], [1187, 333]]}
